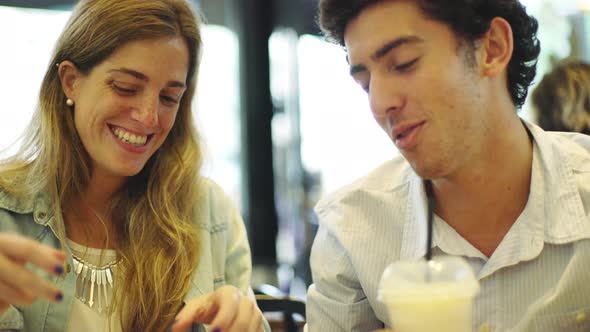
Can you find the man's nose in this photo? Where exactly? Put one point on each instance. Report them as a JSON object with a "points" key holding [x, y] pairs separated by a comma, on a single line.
{"points": [[385, 96]]}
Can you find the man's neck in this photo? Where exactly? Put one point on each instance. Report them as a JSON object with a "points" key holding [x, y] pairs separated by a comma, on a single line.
{"points": [[484, 199]]}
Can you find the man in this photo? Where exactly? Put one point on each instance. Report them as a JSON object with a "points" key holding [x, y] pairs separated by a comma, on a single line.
{"points": [[445, 80]]}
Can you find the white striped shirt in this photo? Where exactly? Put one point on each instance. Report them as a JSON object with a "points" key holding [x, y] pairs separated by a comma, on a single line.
{"points": [[538, 279]]}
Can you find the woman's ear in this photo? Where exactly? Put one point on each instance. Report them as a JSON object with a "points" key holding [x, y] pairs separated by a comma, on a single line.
{"points": [[69, 76], [498, 45]]}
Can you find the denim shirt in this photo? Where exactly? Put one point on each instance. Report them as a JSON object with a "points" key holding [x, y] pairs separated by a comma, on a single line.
{"points": [[225, 255]]}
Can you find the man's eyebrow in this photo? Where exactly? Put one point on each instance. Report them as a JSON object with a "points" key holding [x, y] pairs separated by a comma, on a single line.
{"points": [[388, 47], [138, 75]]}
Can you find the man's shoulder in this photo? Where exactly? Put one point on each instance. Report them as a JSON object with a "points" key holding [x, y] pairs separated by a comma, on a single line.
{"points": [[388, 176], [574, 147]]}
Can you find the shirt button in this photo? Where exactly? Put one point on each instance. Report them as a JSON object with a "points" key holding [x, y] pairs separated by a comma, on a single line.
{"points": [[485, 327], [68, 268], [580, 318]]}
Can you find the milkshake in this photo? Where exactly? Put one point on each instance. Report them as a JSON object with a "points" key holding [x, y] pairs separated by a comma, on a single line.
{"points": [[434, 295]]}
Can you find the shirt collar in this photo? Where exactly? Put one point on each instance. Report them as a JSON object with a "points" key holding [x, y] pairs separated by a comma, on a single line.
{"points": [[561, 208], [554, 212], [415, 227]]}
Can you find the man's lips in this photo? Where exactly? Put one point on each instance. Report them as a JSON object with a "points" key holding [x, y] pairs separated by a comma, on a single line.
{"points": [[406, 136], [402, 130]]}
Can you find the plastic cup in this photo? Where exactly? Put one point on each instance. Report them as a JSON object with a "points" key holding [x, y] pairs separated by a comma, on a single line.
{"points": [[434, 295]]}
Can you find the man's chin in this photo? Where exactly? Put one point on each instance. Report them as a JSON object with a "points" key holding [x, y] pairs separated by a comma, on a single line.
{"points": [[426, 170]]}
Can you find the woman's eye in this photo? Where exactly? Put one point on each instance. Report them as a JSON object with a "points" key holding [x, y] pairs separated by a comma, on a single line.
{"points": [[169, 100], [123, 90]]}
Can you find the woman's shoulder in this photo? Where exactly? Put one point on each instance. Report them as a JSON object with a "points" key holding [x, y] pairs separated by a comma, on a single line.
{"points": [[13, 195], [214, 208], [23, 214], [14, 202], [212, 193]]}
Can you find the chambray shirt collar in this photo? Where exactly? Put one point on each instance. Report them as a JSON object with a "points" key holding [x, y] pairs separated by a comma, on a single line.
{"points": [[554, 213], [38, 204]]}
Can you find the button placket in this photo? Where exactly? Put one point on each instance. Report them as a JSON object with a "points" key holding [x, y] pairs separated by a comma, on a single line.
{"points": [[485, 327]]}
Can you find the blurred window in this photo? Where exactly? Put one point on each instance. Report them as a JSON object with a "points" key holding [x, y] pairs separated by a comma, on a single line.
{"points": [[340, 138]]}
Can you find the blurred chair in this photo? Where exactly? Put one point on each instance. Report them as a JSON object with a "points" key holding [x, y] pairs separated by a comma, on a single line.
{"points": [[284, 313]]}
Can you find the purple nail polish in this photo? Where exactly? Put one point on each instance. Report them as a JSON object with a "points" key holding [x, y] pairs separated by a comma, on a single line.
{"points": [[59, 269], [59, 297], [217, 329]]}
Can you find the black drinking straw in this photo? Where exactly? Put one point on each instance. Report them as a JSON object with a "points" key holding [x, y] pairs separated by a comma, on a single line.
{"points": [[431, 206]]}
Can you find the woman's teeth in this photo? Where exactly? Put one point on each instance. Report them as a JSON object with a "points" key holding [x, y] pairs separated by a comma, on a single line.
{"points": [[127, 137]]}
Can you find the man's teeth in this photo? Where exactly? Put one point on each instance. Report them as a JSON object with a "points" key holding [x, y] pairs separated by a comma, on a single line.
{"points": [[127, 137]]}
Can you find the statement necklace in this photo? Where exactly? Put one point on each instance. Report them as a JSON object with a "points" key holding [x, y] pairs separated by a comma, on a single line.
{"points": [[93, 283]]}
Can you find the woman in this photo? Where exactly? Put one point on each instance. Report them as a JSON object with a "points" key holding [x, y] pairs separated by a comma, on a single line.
{"points": [[562, 98], [109, 173]]}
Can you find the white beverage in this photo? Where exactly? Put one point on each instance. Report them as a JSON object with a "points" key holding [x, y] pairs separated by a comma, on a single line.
{"points": [[429, 296]]}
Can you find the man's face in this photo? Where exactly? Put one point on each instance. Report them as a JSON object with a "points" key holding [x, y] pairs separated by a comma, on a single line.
{"points": [[424, 89]]}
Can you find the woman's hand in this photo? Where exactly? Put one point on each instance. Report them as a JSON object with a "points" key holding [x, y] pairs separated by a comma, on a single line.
{"points": [[223, 310], [19, 285]]}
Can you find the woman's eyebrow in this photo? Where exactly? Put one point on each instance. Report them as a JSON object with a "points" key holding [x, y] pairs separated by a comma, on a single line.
{"points": [[138, 75]]}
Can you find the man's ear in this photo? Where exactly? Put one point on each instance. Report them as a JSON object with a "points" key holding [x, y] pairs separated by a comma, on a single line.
{"points": [[497, 46], [69, 76]]}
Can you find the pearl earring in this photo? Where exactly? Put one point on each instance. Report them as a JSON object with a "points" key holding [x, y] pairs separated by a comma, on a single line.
{"points": [[69, 102]]}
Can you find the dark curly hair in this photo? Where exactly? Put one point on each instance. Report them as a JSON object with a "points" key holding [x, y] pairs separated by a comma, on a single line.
{"points": [[469, 19]]}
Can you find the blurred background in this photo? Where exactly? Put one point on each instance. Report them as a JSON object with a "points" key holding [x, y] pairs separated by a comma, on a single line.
{"points": [[283, 122]]}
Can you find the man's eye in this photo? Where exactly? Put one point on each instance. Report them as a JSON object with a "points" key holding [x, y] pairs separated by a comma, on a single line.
{"points": [[406, 66], [364, 84]]}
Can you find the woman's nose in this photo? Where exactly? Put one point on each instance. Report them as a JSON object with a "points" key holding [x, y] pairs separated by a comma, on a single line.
{"points": [[147, 112]]}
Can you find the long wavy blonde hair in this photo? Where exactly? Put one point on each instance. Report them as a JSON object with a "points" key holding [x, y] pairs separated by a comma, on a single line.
{"points": [[152, 215], [562, 98]]}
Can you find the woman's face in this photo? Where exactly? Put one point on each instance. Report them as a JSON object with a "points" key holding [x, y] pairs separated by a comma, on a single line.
{"points": [[125, 107]]}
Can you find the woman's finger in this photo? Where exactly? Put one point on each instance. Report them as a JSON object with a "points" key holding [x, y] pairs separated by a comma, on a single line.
{"points": [[27, 285], [11, 295], [20, 248], [256, 321], [244, 315], [228, 303], [200, 310], [3, 307]]}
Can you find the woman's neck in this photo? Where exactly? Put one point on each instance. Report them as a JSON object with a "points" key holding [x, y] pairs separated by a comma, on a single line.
{"points": [[100, 190], [89, 220]]}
